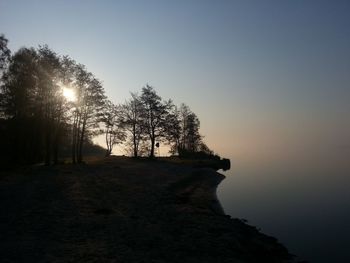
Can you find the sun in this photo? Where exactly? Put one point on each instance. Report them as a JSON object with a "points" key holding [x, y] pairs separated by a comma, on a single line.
{"points": [[69, 94]]}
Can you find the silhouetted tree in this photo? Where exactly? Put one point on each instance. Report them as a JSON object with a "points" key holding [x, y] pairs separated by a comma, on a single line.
{"points": [[184, 112], [183, 130], [132, 113], [173, 129], [50, 101], [18, 102], [36, 114], [193, 138], [154, 115], [114, 129], [5, 53], [66, 107], [87, 110], [203, 148]]}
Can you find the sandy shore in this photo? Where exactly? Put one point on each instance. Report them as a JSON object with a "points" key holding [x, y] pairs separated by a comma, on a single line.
{"points": [[123, 210]]}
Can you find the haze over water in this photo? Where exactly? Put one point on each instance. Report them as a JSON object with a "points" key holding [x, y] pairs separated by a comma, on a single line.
{"points": [[302, 201]]}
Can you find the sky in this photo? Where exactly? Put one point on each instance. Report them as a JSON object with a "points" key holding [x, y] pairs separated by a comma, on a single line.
{"points": [[269, 81], [259, 74]]}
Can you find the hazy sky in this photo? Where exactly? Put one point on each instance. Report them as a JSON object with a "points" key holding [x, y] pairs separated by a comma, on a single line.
{"points": [[266, 78]]}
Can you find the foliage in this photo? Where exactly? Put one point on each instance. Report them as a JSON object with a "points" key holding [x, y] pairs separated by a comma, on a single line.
{"points": [[132, 120], [39, 122], [154, 115], [114, 128], [4, 52], [36, 116]]}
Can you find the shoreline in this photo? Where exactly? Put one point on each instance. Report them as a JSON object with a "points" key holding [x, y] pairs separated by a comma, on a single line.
{"points": [[220, 206], [204, 184], [125, 210]]}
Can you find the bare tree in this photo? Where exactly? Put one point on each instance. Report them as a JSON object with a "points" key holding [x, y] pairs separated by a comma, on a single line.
{"points": [[132, 112], [19, 105], [88, 108], [173, 129], [31, 99], [154, 115], [114, 128], [36, 115], [184, 131], [5, 53], [34, 109], [193, 138], [49, 100]]}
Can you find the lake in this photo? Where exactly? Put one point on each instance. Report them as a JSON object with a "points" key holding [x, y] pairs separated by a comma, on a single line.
{"points": [[304, 202]]}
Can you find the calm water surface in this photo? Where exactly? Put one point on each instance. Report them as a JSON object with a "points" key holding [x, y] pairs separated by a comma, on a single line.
{"points": [[304, 202]]}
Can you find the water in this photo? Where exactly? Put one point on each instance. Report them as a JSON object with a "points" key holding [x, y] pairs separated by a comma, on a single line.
{"points": [[304, 202]]}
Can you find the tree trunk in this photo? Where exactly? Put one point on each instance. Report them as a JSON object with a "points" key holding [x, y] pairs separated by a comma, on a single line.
{"points": [[81, 142], [134, 140], [77, 138], [152, 145], [55, 154], [48, 146], [56, 146], [135, 147], [135, 151], [74, 131]]}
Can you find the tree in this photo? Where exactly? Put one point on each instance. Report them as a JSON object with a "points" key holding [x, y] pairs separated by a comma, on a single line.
{"points": [[19, 84], [87, 110], [132, 112], [154, 115], [18, 105], [50, 100], [184, 112], [34, 113], [33, 103], [66, 107], [186, 131], [173, 129], [193, 138], [203, 148], [5, 56], [114, 130], [5, 53]]}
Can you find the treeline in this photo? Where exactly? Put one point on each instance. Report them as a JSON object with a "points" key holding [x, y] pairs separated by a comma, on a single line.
{"points": [[50, 104]]}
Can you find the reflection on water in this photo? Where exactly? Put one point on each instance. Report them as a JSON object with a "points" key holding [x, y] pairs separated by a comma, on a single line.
{"points": [[303, 203]]}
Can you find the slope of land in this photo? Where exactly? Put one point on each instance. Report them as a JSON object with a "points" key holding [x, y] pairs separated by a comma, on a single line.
{"points": [[123, 210]]}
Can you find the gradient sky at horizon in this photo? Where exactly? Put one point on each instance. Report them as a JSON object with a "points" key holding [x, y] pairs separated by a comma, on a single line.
{"points": [[266, 78]]}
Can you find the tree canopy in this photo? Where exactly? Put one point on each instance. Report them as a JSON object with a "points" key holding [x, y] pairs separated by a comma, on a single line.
{"points": [[50, 103]]}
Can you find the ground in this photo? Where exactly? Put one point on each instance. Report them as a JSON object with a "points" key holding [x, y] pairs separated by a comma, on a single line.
{"points": [[123, 210]]}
